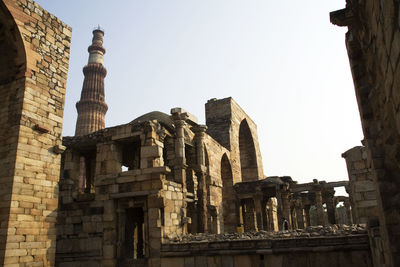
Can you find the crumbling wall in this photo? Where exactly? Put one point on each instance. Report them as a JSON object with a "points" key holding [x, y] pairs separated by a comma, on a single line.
{"points": [[325, 248], [362, 185], [225, 120], [34, 51], [215, 189], [96, 227], [373, 45]]}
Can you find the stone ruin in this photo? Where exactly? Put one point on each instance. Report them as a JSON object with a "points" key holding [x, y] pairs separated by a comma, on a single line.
{"points": [[164, 190]]}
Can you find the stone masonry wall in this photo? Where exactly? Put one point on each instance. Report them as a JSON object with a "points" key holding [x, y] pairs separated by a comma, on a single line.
{"points": [[362, 185], [32, 102], [214, 184], [338, 251], [223, 118], [373, 45]]}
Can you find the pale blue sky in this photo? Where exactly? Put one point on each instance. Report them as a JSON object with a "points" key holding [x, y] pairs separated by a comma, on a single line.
{"points": [[282, 61]]}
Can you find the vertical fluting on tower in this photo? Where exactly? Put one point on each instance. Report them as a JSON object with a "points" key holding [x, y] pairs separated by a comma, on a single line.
{"points": [[92, 107]]}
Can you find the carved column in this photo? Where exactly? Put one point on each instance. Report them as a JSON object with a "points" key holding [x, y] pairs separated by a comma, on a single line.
{"points": [[307, 215], [250, 223], [300, 216], [348, 211], [354, 215], [293, 213], [259, 212], [201, 172], [286, 207], [272, 216], [320, 209], [180, 159], [279, 210], [265, 215], [330, 206], [239, 212]]}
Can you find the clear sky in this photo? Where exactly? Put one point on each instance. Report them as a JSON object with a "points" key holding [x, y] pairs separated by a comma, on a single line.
{"points": [[282, 61]]}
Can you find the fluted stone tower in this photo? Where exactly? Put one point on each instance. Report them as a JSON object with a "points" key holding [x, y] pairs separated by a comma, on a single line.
{"points": [[92, 107]]}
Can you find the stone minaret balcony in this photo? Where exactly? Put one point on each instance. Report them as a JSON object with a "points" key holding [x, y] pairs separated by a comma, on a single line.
{"points": [[92, 107]]}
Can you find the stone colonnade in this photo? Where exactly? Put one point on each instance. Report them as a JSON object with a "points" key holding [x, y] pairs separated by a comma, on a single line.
{"points": [[279, 203]]}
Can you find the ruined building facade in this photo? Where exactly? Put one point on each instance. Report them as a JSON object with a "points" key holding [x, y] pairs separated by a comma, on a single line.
{"points": [[154, 178], [373, 43], [137, 194], [126, 191]]}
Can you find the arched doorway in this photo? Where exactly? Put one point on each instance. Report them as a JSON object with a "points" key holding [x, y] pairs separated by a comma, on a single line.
{"points": [[12, 86], [248, 158], [228, 199]]}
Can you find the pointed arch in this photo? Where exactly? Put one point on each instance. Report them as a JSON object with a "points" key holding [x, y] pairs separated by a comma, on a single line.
{"points": [[228, 201], [247, 151], [12, 50], [206, 159], [12, 85], [208, 177]]}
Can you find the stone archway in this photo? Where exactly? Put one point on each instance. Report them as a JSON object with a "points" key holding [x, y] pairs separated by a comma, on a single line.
{"points": [[12, 51], [228, 200], [12, 86], [248, 157]]}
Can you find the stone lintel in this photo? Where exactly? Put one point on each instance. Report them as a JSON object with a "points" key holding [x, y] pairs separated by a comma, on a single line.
{"points": [[133, 194]]}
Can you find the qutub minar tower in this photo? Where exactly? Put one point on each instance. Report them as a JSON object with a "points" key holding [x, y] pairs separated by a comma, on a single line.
{"points": [[92, 107]]}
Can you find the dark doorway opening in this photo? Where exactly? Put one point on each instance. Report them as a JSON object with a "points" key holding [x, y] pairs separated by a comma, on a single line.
{"points": [[134, 233]]}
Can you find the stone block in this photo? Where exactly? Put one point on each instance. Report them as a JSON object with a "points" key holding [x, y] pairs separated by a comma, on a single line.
{"points": [[174, 262], [364, 186], [367, 203], [150, 151], [108, 252]]}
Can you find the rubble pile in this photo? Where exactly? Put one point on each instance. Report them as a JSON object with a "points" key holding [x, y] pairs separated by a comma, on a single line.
{"points": [[311, 231]]}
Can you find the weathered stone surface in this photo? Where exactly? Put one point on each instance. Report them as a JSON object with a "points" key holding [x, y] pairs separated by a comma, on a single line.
{"points": [[34, 58], [373, 49], [312, 231], [362, 188]]}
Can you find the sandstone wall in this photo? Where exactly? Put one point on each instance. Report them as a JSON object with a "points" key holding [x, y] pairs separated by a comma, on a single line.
{"points": [[362, 185], [215, 199], [350, 251], [224, 118], [373, 44], [34, 64]]}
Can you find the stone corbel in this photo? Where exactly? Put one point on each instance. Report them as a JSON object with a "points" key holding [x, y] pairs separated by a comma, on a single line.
{"points": [[59, 149]]}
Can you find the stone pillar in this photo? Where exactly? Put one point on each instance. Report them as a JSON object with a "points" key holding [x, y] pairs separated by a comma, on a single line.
{"points": [[286, 208], [272, 215], [330, 205], [300, 216], [348, 211], [201, 172], [279, 210], [180, 159], [293, 214], [259, 212], [354, 215], [307, 215], [239, 212], [250, 222], [320, 209], [108, 158], [152, 148], [180, 166], [265, 214]]}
